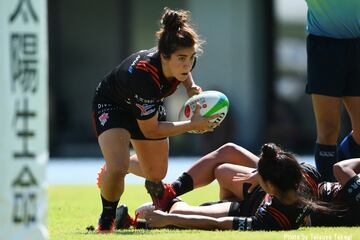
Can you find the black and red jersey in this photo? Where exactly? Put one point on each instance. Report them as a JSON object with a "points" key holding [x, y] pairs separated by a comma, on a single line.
{"points": [[137, 84], [274, 215], [345, 214], [271, 214], [312, 178]]}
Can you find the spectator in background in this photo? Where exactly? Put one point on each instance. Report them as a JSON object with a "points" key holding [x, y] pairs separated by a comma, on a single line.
{"points": [[333, 48]]}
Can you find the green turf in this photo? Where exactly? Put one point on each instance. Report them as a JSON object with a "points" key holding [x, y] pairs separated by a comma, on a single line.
{"points": [[74, 208]]}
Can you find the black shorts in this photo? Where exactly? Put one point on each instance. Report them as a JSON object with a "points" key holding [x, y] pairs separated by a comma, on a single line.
{"points": [[107, 116], [333, 66]]}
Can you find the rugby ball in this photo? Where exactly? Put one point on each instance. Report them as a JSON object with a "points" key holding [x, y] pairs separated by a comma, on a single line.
{"points": [[144, 209], [211, 102]]}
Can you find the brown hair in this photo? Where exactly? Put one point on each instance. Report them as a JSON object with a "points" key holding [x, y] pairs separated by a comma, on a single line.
{"points": [[176, 32]]}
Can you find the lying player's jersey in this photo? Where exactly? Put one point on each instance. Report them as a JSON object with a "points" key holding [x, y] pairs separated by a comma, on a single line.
{"points": [[345, 213], [271, 214]]}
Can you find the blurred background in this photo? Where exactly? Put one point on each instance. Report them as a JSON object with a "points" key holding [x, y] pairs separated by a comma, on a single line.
{"points": [[255, 53]]}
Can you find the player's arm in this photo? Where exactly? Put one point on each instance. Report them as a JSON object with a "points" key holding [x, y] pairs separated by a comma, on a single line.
{"points": [[152, 128], [145, 108], [346, 170]]}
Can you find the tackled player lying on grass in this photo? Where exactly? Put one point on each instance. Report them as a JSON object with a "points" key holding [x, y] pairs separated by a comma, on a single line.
{"points": [[259, 210]]}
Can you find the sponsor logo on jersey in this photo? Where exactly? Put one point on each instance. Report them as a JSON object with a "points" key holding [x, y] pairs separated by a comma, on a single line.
{"points": [[103, 118], [143, 100], [103, 105], [146, 109]]}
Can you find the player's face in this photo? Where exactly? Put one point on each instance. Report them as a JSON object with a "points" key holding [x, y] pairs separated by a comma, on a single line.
{"points": [[180, 63], [265, 185]]}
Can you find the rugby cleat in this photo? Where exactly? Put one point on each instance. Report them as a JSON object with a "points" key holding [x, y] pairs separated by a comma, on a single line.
{"points": [[161, 197], [123, 220], [106, 224], [99, 175]]}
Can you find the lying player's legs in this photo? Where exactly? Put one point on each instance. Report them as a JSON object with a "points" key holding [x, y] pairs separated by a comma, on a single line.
{"points": [[215, 210], [229, 189], [114, 144], [203, 171]]}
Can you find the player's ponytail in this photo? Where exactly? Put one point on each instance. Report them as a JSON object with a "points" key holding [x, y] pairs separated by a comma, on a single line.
{"points": [[173, 21], [279, 167], [282, 169], [176, 32]]}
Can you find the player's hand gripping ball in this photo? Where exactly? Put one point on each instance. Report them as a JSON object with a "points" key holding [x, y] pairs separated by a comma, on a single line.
{"points": [[211, 103]]}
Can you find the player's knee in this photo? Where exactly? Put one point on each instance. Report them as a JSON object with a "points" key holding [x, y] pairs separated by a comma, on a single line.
{"points": [[117, 169], [221, 172], [228, 148], [155, 175]]}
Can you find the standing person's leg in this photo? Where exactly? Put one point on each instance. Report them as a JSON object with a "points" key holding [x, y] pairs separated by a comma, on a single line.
{"points": [[153, 159], [152, 156], [134, 166], [350, 146], [327, 112], [327, 70], [114, 144]]}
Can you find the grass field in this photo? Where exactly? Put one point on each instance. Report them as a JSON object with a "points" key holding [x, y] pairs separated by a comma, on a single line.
{"points": [[74, 208]]}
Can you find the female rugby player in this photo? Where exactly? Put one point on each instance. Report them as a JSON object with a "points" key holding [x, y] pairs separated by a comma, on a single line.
{"points": [[128, 108]]}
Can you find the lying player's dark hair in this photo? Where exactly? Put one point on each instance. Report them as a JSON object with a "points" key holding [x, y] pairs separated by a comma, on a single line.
{"points": [[282, 169], [176, 32]]}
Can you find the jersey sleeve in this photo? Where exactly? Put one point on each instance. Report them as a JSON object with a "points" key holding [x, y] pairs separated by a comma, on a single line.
{"points": [[144, 98]]}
